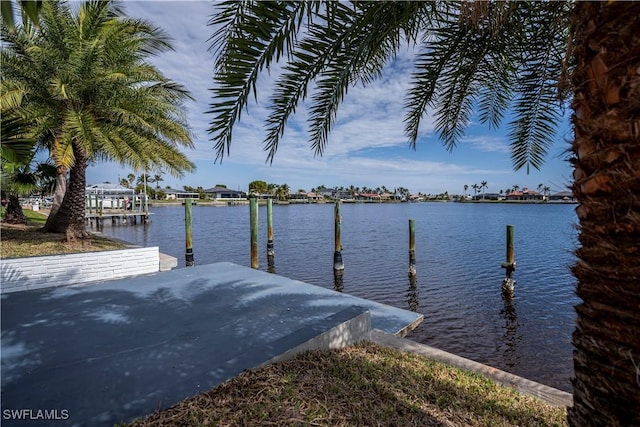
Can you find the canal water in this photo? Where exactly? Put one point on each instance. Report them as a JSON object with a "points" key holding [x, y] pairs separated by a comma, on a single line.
{"points": [[459, 249]]}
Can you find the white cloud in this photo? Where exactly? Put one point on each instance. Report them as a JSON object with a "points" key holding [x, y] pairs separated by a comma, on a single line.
{"points": [[487, 144]]}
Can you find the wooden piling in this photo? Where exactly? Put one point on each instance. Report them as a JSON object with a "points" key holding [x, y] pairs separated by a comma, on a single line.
{"points": [[270, 252], [413, 299], [338, 265], [187, 226], [412, 249], [253, 218], [508, 284]]}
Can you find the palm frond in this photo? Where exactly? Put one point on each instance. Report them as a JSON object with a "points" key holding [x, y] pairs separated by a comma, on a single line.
{"points": [[344, 48], [16, 147], [259, 33], [538, 107]]}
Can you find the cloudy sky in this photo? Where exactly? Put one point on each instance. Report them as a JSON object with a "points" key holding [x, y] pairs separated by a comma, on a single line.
{"points": [[367, 146]]}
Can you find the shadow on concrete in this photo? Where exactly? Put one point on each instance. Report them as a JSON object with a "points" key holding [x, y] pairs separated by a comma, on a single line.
{"points": [[113, 351]]}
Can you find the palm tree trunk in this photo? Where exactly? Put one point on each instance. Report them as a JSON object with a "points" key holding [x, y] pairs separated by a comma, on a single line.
{"points": [[58, 196], [70, 217], [607, 185], [13, 213]]}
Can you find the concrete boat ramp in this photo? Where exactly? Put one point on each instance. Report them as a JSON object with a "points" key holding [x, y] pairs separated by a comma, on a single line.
{"points": [[109, 352]]}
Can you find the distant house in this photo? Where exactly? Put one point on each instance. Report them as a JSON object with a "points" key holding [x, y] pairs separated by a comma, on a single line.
{"points": [[525, 194], [298, 198], [343, 195], [314, 197], [371, 197], [488, 196], [326, 192], [225, 194], [563, 196], [173, 194]]}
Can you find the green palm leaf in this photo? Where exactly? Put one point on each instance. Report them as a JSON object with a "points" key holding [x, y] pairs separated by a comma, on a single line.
{"points": [[470, 61]]}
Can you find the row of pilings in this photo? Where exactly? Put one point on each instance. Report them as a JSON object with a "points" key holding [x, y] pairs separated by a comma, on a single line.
{"points": [[508, 284]]}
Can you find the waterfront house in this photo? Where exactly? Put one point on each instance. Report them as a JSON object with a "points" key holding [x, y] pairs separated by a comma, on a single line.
{"points": [[314, 197], [368, 197], [563, 196], [525, 194], [343, 195], [298, 198], [225, 194], [488, 196], [327, 192], [173, 194]]}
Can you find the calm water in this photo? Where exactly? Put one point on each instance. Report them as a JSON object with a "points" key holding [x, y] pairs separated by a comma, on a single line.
{"points": [[459, 249]]}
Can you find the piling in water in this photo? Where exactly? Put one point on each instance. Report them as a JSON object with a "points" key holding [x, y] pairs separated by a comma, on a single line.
{"points": [[253, 218], [270, 252], [187, 227], [338, 265], [412, 249], [508, 284]]}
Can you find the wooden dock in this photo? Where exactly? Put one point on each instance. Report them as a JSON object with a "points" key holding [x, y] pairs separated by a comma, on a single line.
{"points": [[117, 217]]}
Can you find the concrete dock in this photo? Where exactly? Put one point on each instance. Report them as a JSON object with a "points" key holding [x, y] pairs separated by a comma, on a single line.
{"points": [[109, 352]]}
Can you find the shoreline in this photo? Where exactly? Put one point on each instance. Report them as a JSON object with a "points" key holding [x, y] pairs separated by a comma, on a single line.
{"points": [[199, 202]]}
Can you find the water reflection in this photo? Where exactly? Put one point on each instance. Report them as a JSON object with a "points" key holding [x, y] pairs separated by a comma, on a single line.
{"points": [[337, 280], [413, 299], [510, 336], [271, 265]]}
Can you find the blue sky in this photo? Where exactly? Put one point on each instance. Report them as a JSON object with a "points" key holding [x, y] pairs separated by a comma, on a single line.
{"points": [[367, 146]]}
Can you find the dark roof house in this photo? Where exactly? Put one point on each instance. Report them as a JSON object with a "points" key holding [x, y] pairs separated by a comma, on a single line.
{"points": [[217, 193]]}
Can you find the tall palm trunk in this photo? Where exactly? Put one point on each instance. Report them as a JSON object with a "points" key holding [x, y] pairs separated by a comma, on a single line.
{"points": [[58, 196], [70, 217], [607, 185]]}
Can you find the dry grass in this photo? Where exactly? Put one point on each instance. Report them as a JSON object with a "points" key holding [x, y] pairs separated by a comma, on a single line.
{"points": [[29, 240], [365, 385]]}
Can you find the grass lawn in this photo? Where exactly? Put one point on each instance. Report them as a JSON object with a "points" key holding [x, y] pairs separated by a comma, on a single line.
{"points": [[365, 385], [28, 240]]}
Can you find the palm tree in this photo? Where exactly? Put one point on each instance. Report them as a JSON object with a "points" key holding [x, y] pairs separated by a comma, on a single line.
{"points": [[17, 150], [546, 190], [282, 192], [489, 57], [466, 187], [84, 84], [483, 185], [476, 188], [131, 178], [157, 178], [20, 178]]}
